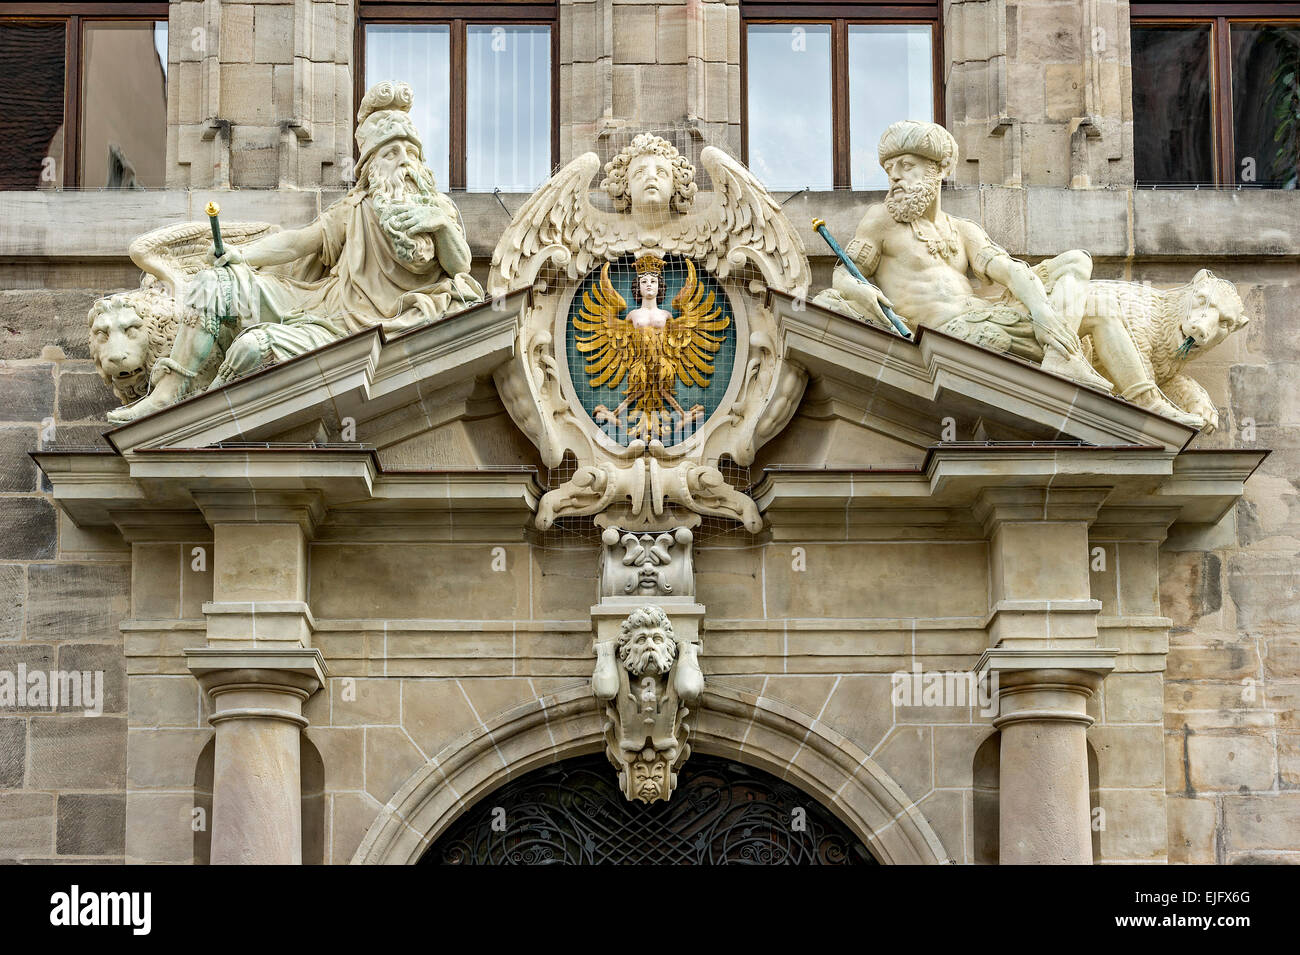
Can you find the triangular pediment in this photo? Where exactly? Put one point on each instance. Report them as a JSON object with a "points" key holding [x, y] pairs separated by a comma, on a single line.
{"points": [[431, 431], [876, 400], [423, 399]]}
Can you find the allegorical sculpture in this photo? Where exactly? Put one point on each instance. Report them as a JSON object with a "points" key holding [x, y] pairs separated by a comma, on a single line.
{"points": [[650, 398], [1169, 328], [130, 331], [648, 679], [392, 252], [919, 258]]}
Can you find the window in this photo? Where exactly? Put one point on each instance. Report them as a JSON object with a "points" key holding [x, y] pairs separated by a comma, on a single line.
{"points": [[819, 90], [485, 87], [84, 102], [1216, 94]]}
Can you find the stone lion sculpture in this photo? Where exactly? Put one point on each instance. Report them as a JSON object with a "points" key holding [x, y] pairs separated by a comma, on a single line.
{"points": [[1171, 327], [130, 331]]}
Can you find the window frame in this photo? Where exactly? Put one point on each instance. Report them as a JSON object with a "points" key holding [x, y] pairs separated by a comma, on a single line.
{"points": [[1219, 17], [74, 17], [458, 16], [840, 16]]}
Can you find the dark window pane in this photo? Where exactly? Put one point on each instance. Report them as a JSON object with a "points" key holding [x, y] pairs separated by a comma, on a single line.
{"points": [[419, 54], [1173, 133], [1266, 103], [891, 77], [508, 107], [31, 105], [789, 104], [123, 104]]}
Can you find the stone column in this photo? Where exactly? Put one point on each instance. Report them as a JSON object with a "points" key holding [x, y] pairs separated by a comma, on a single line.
{"points": [[1043, 810], [257, 698], [1044, 656], [258, 669]]}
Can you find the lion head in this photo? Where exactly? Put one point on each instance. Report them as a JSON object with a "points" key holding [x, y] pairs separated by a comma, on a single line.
{"points": [[1208, 311], [128, 333]]}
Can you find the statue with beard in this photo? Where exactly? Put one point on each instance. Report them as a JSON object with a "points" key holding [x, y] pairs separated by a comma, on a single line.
{"points": [[392, 252], [646, 678], [920, 258]]}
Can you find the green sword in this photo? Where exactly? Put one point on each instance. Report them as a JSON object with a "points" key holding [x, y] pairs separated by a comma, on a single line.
{"points": [[820, 226]]}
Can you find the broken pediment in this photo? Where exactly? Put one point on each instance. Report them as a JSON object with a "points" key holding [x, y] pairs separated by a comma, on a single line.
{"points": [[877, 400]]}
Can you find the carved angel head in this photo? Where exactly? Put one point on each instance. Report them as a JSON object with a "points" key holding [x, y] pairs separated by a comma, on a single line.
{"points": [[649, 175]]}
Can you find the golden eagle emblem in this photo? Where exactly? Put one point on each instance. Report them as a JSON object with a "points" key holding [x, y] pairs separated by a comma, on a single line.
{"points": [[650, 349]]}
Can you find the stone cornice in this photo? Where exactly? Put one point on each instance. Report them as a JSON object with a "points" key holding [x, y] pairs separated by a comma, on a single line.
{"points": [[172, 494], [1143, 486]]}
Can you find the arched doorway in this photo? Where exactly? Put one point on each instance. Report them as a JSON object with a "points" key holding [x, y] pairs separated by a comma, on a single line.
{"points": [[722, 813], [731, 724]]}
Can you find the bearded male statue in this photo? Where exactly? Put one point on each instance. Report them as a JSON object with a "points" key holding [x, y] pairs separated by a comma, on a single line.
{"points": [[920, 258], [392, 252], [648, 678]]}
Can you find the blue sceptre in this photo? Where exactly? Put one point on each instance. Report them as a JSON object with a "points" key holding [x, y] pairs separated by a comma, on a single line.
{"points": [[820, 226]]}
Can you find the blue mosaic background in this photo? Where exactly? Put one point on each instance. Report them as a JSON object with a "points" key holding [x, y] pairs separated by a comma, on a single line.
{"points": [[622, 275]]}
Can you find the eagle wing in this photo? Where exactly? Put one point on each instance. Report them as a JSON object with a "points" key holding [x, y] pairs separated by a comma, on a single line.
{"points": [[695, 333], [605, 338]]}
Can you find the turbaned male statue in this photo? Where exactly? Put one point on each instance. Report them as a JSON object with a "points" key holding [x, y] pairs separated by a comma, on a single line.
{"points": [[920, 258], [392, 252]]}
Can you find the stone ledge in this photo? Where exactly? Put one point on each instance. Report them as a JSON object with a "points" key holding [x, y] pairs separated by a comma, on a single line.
{"points": [[1035, 221]]}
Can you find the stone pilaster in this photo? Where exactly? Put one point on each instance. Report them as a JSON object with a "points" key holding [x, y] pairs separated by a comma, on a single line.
{"points": [[631, 65], [1044, 655], [1039, 92], [258, 669], [261, 93]]}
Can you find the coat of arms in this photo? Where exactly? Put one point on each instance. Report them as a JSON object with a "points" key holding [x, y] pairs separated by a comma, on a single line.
{"points": [[648, 352]]}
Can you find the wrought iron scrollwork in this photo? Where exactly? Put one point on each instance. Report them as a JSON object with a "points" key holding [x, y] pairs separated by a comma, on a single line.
{"points": [[723, 813]]}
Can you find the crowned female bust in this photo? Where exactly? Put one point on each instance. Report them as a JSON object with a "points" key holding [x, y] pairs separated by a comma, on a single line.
{"points": [[650, 286]]}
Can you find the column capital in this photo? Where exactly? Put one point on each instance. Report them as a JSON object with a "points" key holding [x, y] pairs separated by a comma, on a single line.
{"points": [[1003, 505], [296, 672], [304, 508], [1045, 685]]}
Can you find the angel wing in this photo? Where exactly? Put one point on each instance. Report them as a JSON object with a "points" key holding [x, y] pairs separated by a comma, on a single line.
{"points": [[174, 253], [557, 222], [690, 341], [609, 342], [742, 222]]}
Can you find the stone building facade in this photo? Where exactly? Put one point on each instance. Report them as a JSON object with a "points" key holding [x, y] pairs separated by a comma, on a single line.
{"points": [[373, 623]]}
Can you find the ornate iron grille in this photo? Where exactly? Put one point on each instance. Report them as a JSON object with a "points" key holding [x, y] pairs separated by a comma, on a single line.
{"points": [[721, 813]]}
